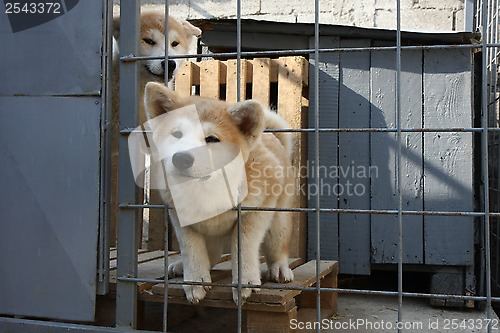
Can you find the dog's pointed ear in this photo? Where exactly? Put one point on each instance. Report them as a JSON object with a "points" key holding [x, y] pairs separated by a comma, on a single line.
{"points": [[159, 99], [249, 117], [191, 29], [116, 27]]}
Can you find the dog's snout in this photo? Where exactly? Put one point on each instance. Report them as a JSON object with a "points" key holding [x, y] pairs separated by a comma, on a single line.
{"points": [[182, 160], [171, 65]]}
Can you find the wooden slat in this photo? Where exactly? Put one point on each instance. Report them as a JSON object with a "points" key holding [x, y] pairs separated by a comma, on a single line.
{"points": [[270, 322], [226, 304], [354, 154], [262, 77], [329, 78], [292, 71], [304, 276], [226, 293], [150, 265], [448, 166], [211, 72], [232, 82], [384, 229], [185, 76], [144, 256]]}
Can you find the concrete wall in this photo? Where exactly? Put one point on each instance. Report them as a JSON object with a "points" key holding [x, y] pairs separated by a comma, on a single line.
{"points": [[416, 14]]}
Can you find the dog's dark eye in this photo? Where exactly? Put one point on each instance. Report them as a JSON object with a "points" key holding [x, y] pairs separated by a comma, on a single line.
{"points": [[174, 43], [211, 139], [177, 134], [149, 41]]}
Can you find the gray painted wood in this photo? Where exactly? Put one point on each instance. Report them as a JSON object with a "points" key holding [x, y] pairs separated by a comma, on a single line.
{"points": [[49, 157], [384, 187], [329, 106], [354, 157], [448, 157]]}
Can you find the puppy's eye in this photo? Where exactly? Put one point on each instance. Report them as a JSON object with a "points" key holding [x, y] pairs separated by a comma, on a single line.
{"points": [[174, 43], [177, 134], [212, 139], [149, 41]]}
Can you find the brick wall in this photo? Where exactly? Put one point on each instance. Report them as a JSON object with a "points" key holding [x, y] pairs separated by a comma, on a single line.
{"points": [[416, 14]]}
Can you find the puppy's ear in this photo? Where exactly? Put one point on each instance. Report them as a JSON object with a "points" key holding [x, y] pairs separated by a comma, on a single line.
{"points": [[249, 117], [191, 29], [116, 27], [159, 99]]}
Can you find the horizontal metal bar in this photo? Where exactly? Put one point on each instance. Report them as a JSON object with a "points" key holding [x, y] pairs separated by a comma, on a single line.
{"points": [[39, 326], [131, 58], [127, 131], [141, 206], [324, 289], [333, 210]]}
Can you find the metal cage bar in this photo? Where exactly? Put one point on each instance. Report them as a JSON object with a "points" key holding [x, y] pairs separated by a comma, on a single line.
{"points": [[127, 238]]}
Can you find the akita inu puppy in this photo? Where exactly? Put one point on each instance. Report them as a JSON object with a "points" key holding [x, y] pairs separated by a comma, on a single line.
{"points": [[265, 156]]}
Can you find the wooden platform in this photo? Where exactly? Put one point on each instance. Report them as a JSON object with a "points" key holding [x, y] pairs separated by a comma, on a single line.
{"points": [[268, 311]]}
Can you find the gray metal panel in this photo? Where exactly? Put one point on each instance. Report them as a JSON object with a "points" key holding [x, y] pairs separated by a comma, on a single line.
{"points": [[128, 226], [60, 57], [448, 157], [384, 228], [354, 157], [49, 157], [12, 325], [328, 103]]}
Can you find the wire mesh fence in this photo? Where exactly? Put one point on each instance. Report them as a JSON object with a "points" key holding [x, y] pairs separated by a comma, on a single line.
{"points": [[485, 129]]}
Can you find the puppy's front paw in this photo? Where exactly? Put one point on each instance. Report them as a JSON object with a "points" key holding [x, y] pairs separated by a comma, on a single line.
{"points": [[195, 293], [280, 273], [175, 269], [245, 292]]}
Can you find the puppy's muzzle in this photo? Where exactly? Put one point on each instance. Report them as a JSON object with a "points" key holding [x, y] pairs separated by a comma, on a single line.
{"points": [[183, 160], [171, 68]]}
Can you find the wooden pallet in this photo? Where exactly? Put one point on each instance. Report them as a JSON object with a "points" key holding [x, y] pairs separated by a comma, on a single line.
{"points": [[268, 311]]}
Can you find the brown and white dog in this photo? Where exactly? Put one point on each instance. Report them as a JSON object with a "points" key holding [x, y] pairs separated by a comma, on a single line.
{"points": [[182, 35], [266, 158]]}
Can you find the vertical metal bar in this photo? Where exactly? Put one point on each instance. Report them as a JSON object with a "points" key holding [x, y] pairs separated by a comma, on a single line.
{"points": [[165, 269], [105, 173], [484, 108], [165, 209], [167, 14], [127, 240], [398, 162], [469, 15], [238, 98], [316, 156]]}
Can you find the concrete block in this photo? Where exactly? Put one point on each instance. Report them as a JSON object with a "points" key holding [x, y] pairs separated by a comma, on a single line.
{"points": [[273, 17], [459, 24], [443, 4], [294, 6], [416, 19], [179, 9], [336, 18], [221, 9], [391, 4]]}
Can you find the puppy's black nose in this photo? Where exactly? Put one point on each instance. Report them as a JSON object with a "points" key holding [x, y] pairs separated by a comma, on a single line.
{"points": [[182, 160], [171, 68], [171, 65]]}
